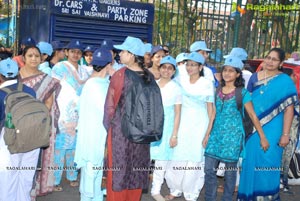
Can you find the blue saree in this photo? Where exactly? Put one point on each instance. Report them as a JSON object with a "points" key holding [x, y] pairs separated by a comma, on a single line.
{"points": [[260, 175]]}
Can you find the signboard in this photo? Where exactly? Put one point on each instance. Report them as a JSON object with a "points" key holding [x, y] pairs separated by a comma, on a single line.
{"points": [[116, 10]]}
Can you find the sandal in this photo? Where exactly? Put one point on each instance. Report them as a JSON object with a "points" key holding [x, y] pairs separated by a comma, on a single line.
{"points": [[169, 197], [220, 189], [74, 183], [57, 188], [158, 197]]}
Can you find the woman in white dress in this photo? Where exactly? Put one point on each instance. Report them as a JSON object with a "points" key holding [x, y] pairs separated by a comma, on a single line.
{"points": [[161, 151], [185, 173]]}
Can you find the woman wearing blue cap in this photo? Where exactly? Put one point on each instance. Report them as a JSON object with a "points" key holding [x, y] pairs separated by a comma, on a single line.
{"points": [[226, 140], [161, 151], [274, 96], [90, 132], [186, 174], [47, 90], [125, 183], [72, 77]]}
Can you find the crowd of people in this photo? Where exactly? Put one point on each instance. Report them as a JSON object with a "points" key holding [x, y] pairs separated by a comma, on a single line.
{"points": [[84, 88]]}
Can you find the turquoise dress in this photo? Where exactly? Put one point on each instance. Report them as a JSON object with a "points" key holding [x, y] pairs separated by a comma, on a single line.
{"points": [[171, 96], [227, 136], [260, 174], [72, 82]]}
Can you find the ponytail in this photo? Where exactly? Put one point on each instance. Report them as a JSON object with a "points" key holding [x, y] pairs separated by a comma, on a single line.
{"points": [[201, 73], [140, 61]]}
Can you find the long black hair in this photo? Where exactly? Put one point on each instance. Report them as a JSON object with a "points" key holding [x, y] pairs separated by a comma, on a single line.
{"points": [[239, 81], [201, 72], [146, 74]]}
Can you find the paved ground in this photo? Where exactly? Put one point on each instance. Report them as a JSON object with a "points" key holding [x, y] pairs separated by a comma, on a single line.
{"points": [[72, 194]]}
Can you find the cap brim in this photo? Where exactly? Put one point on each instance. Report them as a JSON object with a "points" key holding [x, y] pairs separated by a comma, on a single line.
{"points": [[99, 63], [208, 50], [120, 47]]}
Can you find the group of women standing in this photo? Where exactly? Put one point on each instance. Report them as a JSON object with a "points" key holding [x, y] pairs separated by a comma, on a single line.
{"points": [[202, 125], [202, 129]]}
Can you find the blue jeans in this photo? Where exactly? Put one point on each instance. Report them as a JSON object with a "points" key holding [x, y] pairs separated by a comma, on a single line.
{"points": [[210, 169]]}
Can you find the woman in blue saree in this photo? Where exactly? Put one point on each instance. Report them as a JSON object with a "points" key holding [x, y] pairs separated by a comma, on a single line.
{"points": [[273, 96]]}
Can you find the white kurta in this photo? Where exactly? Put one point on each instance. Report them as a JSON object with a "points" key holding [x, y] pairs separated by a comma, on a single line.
{"points": [[185, 172], [171, 96], [194, 120]]}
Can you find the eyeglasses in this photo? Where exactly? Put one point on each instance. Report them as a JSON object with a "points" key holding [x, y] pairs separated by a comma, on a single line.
{"points": [[192, 65], [268, 58]]}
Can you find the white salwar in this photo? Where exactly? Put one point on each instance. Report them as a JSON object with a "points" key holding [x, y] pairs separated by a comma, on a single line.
{"points": [[16, 170], [158, 176], [16, 173], [185, 177], [186, 172]]}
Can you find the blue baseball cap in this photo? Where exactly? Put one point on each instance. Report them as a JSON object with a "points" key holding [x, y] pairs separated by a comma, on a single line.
{"points": [[45, 48], [89, 48], [234, 62], [196, 57], [168, 59], [199, 45], [108, 44], [148, 47], [156, 49], [101, 57], [9, 68], [133, 45], [181, 57], [75, 44], [57, 45], [28, 41], [238, 52]]}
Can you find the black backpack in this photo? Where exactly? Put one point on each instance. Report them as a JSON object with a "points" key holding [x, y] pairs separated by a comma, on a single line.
{"points": [[247, 122], [143, 117]]}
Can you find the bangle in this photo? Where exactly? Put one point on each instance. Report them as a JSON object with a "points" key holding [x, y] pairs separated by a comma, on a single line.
{"points": [[174, 136], [285, 134]]}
